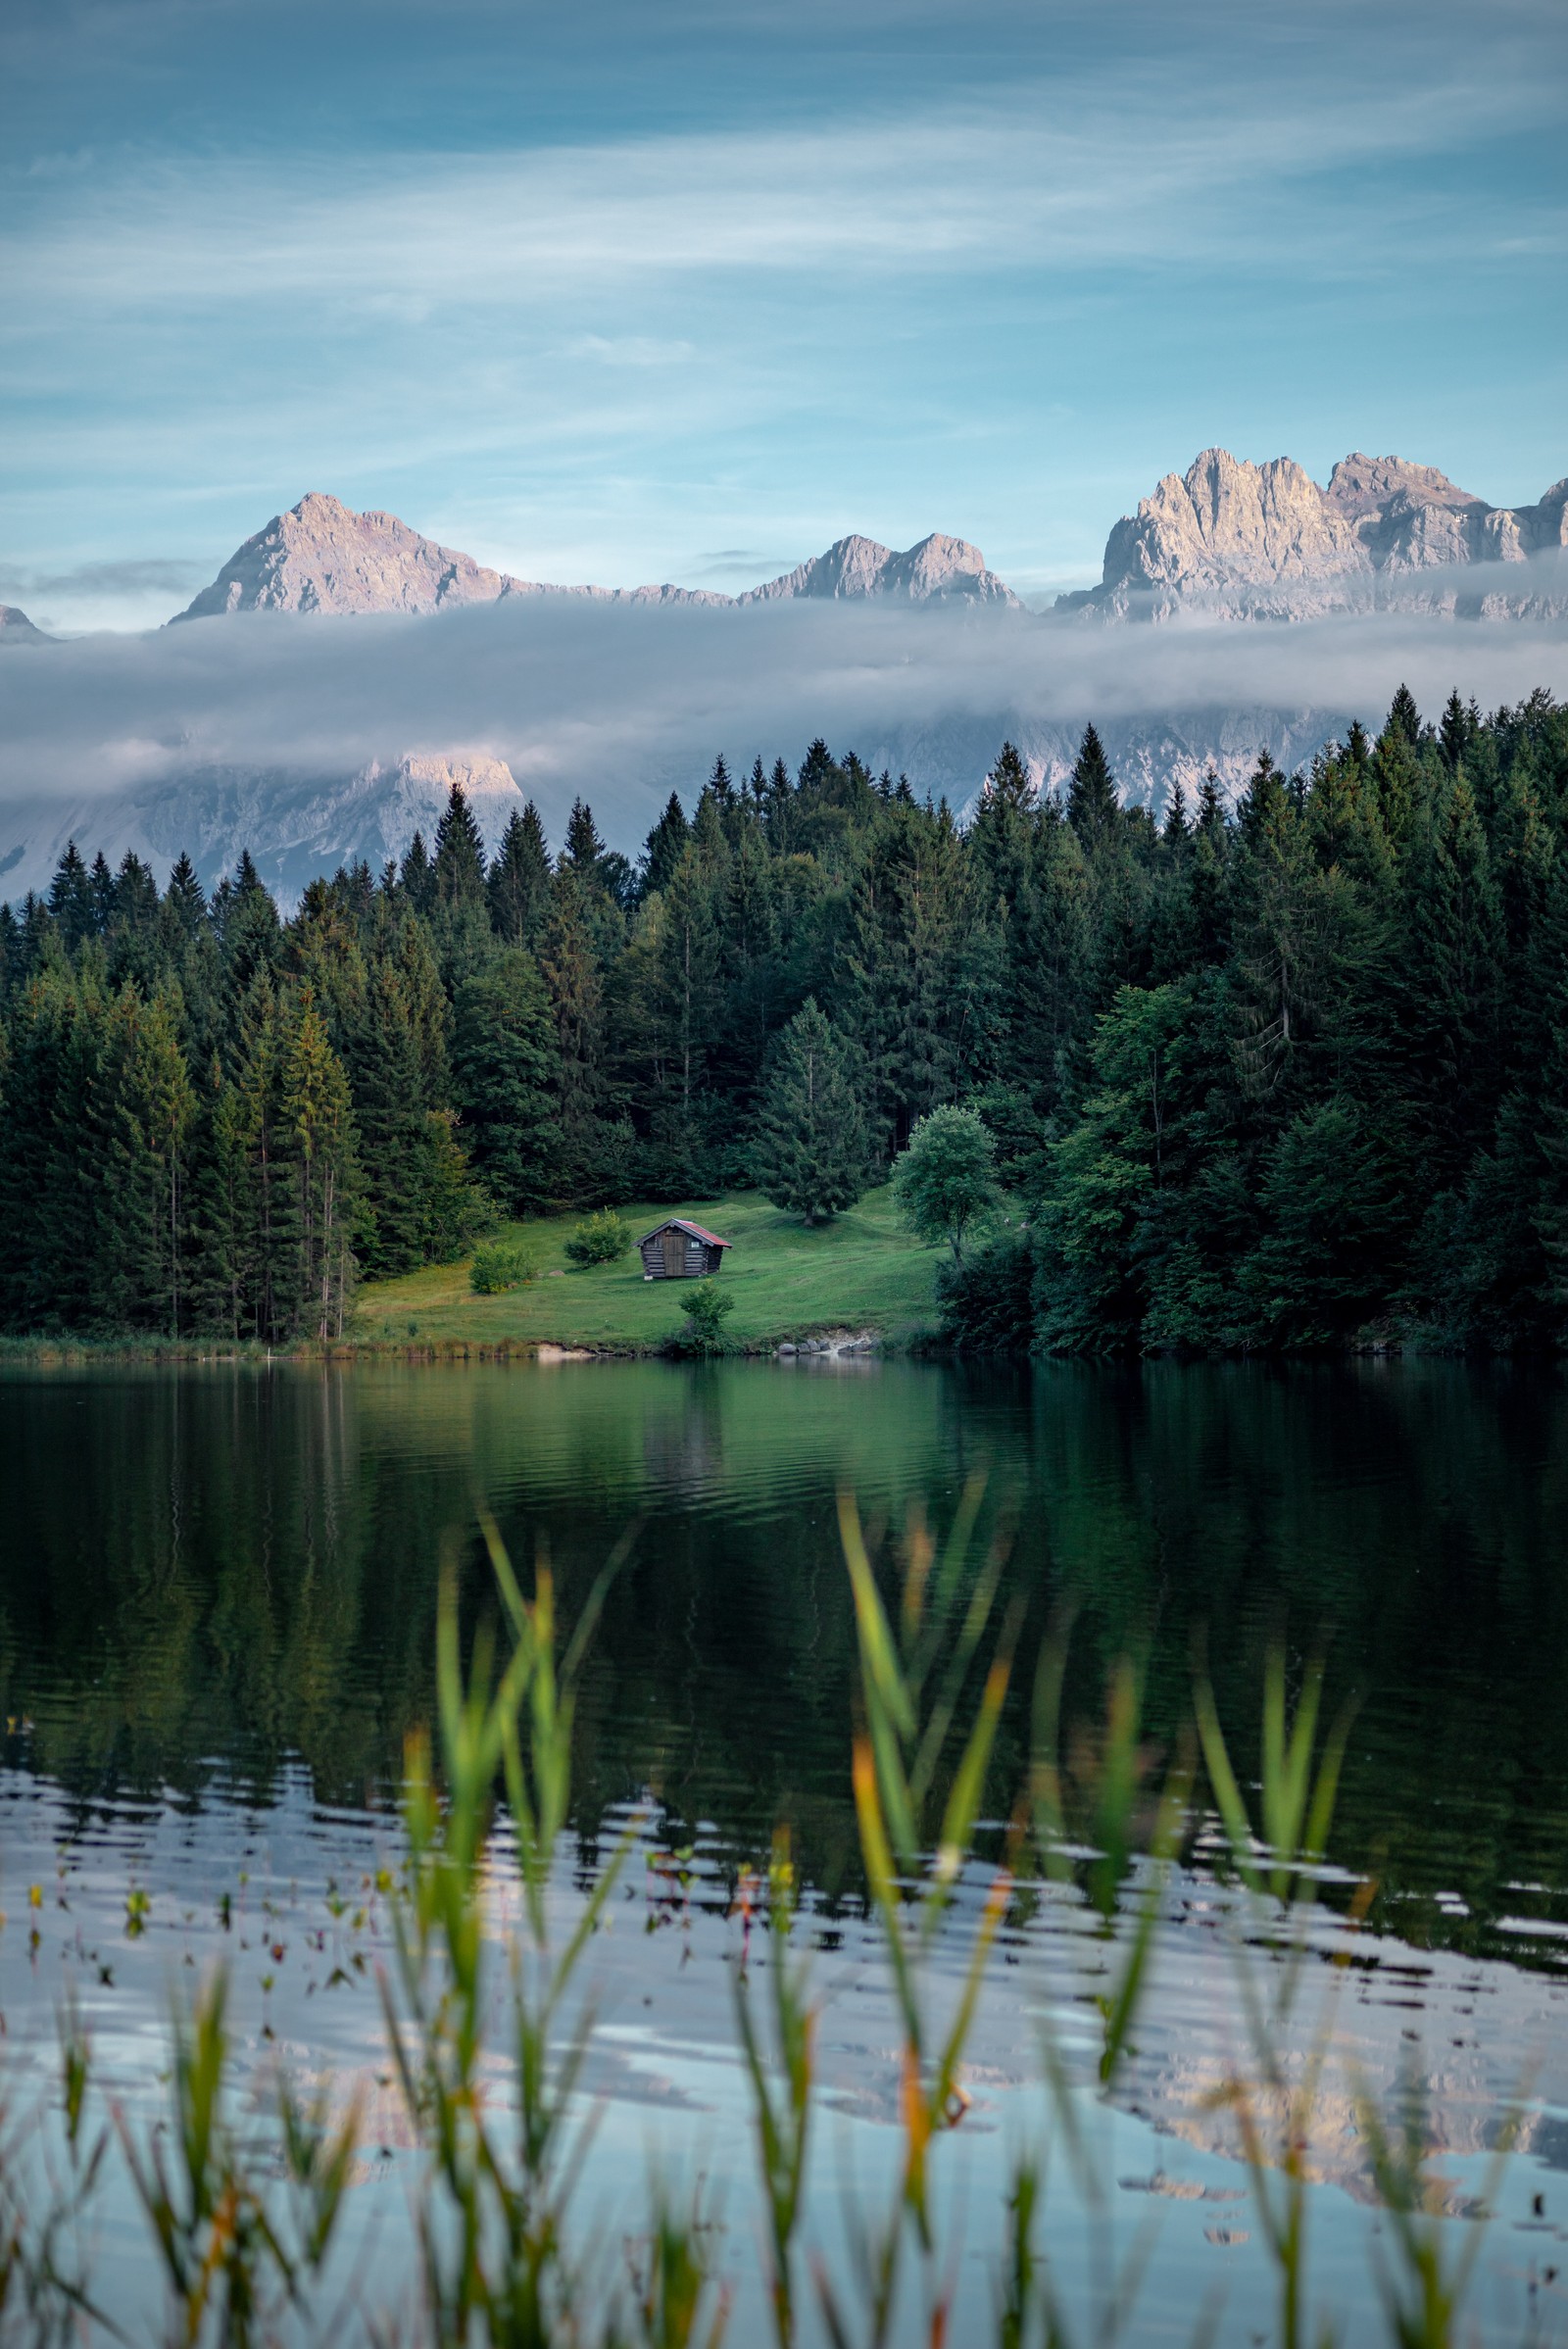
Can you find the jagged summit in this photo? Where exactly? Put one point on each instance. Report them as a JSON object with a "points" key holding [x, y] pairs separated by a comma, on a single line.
{"points": [[939, 569], [1265, 541], [323, 557], [1360, 485]]}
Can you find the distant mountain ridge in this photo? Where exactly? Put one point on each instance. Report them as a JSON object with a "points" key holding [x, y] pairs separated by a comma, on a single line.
{"points": [[1266, 542], [321, 556], [940, 569], [16, 629]]}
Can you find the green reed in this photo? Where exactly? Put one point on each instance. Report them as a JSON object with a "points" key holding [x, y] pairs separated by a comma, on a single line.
{"points": [[489, 2022]]}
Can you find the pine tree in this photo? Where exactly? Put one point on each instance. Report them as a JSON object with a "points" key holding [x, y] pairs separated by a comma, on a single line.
{"points": [[584, 849], [101, 881], [186, 898], [220, 1218], [572, 981], [664, 845], [418, 1202], [1404, 719], [520, 881], [1008, 785], [143, 1217], [905, 1006], [316, 1129], [812, 1153], [71, 899], [417, 879], [505, 1067], [459, 870], [1092, 805]]}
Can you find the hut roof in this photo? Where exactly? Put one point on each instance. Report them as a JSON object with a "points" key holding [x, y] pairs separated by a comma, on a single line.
{"points": [[683, 1223]]}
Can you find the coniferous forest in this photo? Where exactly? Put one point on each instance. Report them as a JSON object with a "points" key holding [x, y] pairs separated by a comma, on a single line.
{"points": [[1268, 1077]]}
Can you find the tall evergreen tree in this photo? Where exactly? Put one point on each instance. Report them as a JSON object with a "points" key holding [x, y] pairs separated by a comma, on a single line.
{"points": [[520, 881], [72, 901], [812, 1153], [505, 1072], [664, 845], [144, 1235], [1092, 804]]}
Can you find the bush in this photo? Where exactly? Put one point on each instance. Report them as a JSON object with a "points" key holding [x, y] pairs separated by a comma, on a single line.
{"points": [[987, 1302], [600, 1239], [702, 1331], [502, 1264]]}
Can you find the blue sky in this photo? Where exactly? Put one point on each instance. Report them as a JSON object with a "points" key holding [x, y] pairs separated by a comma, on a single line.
{"points": [[625, 292]]}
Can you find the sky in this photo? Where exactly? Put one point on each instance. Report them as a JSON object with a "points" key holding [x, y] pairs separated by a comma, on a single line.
{"points": [[620, 293]]}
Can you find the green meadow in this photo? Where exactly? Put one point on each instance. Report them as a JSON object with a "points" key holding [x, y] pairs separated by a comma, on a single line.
{"points": [[859, 1272]]}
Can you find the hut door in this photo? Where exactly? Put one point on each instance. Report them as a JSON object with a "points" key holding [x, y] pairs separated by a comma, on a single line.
{"points": [[674, 1255]]}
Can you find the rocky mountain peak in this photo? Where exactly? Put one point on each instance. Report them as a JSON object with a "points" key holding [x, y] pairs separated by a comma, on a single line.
{"points": [[321, 556], [1264, 541], [1361, 486], [938, 568]]}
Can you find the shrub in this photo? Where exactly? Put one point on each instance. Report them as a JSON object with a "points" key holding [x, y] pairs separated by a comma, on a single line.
{"points": [[702, 1331], [600, 1239], [502, 1264], [987, 1302]]}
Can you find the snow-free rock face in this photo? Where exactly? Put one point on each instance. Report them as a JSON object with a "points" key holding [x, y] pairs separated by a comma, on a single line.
{"points": [[1264, 541], [322, 556], [940, 569], [16, 629]]}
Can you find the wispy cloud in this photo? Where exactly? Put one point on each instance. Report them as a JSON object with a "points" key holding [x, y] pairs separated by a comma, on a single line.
{"points": [[945, 265], [130, 575]]}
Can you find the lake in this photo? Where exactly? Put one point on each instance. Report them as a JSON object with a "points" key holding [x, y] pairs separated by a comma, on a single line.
{"points": [[217, 1604]]}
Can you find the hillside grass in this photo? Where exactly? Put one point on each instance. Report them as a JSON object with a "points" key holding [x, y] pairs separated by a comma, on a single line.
{"points": [[859, 1272]]}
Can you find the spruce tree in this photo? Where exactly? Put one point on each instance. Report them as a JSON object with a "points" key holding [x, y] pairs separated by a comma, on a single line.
{"points": [[144, 1218], [417, 879], [102, 884], [1404, 719], [584, 849], [810, 1154], [664, 845], [72, 901], [186, 898], [1092, 804], [318, 1143], [458, 871], [570, 971], [518, 886], [505, 1068]]}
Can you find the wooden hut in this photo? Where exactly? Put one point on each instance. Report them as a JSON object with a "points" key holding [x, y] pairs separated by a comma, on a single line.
{"points": [[678, 1250]]}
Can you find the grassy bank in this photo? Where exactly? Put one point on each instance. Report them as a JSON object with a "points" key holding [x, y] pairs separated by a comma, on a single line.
{"points": [[861, 1272]]}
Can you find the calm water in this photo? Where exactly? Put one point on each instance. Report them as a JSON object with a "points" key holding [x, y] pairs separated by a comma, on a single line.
{"points": [[216, 1608]]}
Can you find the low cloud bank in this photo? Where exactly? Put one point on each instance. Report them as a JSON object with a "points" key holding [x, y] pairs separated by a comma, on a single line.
{"points": [[621, 706]]}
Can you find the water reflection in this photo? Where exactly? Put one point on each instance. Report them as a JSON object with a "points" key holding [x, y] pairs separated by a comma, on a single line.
{"points": [[217, 1609], [227, 1567]]}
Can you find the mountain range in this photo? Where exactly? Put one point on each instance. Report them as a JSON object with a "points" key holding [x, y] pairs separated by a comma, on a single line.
{"points": [[1227, 538], [310, 746], [322, 556], [1265, 542]]}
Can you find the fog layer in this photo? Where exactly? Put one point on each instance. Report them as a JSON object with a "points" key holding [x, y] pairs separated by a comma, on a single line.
{"points": [[620, 705]]}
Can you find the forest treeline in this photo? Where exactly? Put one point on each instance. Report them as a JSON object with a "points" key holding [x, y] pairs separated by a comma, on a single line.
{"points": [[1256, 1077]]}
